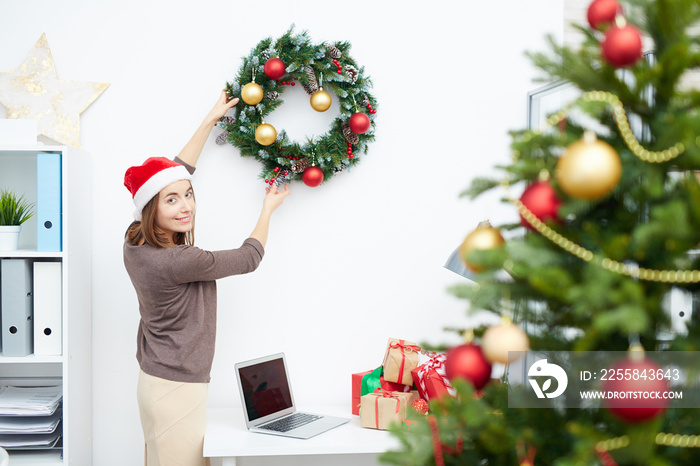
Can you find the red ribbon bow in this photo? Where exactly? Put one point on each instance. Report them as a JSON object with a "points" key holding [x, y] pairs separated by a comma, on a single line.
{"points": [[402, 344]]}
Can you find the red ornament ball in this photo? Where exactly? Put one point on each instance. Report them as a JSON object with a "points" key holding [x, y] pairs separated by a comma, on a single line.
{"points": [[275, 68], [645, 376], [312, 176], [622, 46], [468, 362], [359, 123], [420, 406], [602, 12], [542, 200]]}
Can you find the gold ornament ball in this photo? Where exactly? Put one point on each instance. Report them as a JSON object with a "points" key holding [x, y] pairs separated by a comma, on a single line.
{"points": [[265, 134], [484, 237], [320, 100], [589, 169], [252, 93], [501, 338]]}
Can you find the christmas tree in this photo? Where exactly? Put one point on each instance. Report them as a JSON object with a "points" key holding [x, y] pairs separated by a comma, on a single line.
{"points": [[609, 200]]}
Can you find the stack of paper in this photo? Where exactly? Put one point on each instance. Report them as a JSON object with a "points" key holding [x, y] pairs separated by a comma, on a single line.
{"points": [[29, 442], [30, 401], [29, 417], [30, 424]]}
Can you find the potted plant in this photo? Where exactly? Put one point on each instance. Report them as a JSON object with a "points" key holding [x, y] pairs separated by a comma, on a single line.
{"points": [[14, 211]]}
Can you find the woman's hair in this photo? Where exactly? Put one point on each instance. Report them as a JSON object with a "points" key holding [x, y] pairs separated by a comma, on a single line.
{"points": [[146, 231]]}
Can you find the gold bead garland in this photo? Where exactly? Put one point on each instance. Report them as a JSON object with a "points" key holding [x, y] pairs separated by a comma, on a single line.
{"points": [[677, 440], [662, 439], [663, 276], [626, 132], [623, 125], [613, 443]]}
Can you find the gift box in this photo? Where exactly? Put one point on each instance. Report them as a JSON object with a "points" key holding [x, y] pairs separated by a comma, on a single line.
{"points": [[380, 409], [400, 359], [368, 381], [430, 378]]}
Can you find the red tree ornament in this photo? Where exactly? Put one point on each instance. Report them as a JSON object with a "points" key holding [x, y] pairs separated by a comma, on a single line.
{"points": [[312, 176], [602, 12], [359, 123], [645, 376], [468, 362], [541, 199], [420, 406], [622, 46], [275, 68]]}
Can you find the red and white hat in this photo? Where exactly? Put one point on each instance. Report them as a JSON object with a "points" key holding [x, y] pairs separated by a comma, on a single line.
{"points": [[146, 180]]}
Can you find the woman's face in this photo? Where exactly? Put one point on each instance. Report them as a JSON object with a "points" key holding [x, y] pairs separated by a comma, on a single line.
{"points": [[175, 210]]}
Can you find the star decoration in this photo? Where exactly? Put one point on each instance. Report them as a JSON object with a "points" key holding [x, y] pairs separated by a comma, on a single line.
{"points": [[34, 91]]}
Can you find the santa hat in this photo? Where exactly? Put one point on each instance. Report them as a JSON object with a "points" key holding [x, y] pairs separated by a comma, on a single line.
{"points": [[145, 181]]}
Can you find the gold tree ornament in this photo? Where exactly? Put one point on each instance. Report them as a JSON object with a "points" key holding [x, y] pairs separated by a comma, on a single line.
{"points": [[320, 100], [501, 338], [589, 169], [484, 237], [265, 134], [33, 91], [252, 93]]}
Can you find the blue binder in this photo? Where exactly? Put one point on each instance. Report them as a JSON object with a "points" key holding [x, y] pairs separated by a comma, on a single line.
{"points": [[48, 202]]}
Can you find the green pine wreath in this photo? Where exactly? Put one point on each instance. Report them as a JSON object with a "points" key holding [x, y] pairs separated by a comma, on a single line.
{"points": [[312, 66]]}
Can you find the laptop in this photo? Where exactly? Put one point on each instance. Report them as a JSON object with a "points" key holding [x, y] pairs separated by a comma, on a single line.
{"points": [[268, 403]]}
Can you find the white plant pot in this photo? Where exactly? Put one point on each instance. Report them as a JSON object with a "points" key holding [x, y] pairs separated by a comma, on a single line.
{"points": [[9, 237]]}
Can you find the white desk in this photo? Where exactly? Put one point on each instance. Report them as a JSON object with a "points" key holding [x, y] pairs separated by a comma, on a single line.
{"points": [[227, 438]]}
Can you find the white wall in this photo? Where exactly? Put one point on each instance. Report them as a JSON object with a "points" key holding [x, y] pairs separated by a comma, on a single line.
{"points": [[349, 263]]}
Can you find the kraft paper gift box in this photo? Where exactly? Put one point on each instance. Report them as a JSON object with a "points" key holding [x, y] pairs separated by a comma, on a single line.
{"points": [[381, 409], [400, 359], [430, 378], [367, 382]]}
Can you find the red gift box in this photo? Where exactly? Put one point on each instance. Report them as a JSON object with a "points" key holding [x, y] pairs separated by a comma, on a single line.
{"points": [[431, 380]]}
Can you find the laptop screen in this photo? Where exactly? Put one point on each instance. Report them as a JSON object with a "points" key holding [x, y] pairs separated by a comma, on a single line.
{"points": [[265, 388]]}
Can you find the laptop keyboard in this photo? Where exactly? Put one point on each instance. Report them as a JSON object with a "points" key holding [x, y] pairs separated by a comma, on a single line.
{"points": [[290, 422]]}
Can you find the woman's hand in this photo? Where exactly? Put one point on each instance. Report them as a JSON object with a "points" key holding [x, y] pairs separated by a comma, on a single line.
{"points": [[221, 107], [274, 197]]}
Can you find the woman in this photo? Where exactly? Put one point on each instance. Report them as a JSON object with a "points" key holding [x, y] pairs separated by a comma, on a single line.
{"points": [[176, 289]]}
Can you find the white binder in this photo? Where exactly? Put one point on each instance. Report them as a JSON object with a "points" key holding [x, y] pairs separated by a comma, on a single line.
{"points": [[16, 306], [48, 309]]}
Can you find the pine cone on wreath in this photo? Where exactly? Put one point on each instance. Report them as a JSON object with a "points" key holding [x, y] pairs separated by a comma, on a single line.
{"points": [[221, 139], [266, 54], [227, 119], [301, 165], [272, 95], [333, 51], [349, 134], [352, 72], [365, 100], [312, 85]]}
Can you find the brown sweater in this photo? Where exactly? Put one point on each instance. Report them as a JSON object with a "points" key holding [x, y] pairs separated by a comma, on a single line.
{"points": [[176, 289]]}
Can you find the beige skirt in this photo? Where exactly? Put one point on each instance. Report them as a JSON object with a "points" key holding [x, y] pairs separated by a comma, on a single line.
{"points": [[173, 417]]}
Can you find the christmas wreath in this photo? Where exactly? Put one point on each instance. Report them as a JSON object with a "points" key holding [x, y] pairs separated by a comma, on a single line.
{"points": [[293, 59]]}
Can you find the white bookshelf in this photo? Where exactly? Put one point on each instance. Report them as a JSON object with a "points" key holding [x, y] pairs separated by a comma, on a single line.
{"points": [[71, 369]]}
